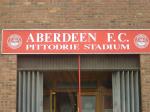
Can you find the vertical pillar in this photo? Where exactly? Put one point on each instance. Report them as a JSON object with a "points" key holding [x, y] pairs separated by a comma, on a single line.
{"points": [[37, 92], [33, 92], [116, 92], [137, 94], [127, 75], [123, 109], [19, 91], [132, 92], [41, 92], [28, 91], [24, 91]]}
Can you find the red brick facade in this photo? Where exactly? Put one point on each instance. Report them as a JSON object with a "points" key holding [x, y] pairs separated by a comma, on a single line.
{"points": [[85, 14], [75, 14], [145, 82], [8, 68]]}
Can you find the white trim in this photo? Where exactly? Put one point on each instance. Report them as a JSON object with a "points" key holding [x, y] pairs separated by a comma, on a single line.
{"points": [[80, 53], [2, 43], [75, 29]]}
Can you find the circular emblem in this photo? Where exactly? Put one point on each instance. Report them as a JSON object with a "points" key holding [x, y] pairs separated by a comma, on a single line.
{"points": [[141, 41], [14, 41]]}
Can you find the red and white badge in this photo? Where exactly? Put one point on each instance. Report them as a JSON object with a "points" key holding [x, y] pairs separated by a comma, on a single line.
{"points": [[141, 41], [14, 41]]}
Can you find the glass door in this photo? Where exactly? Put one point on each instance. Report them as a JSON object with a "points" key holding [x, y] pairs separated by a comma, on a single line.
{"points": [[63, 102], [88, 102]]}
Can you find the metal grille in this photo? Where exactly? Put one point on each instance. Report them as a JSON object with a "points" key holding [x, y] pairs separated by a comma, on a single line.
{"points": [[69, 62], [126, 91], [30, 91], [47, 62]]}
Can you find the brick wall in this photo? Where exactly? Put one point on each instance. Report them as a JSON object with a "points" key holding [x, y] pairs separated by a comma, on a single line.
{"points": [[86, 14], [7, 83], [75, 14], [145, 82]]}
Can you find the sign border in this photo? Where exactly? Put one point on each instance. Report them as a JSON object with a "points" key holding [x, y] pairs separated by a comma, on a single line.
{"points": [[70, 53]]}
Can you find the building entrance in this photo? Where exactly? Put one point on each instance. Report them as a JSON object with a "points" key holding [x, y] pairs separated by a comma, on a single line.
{"points": [[107, 83], [61, 91]]}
